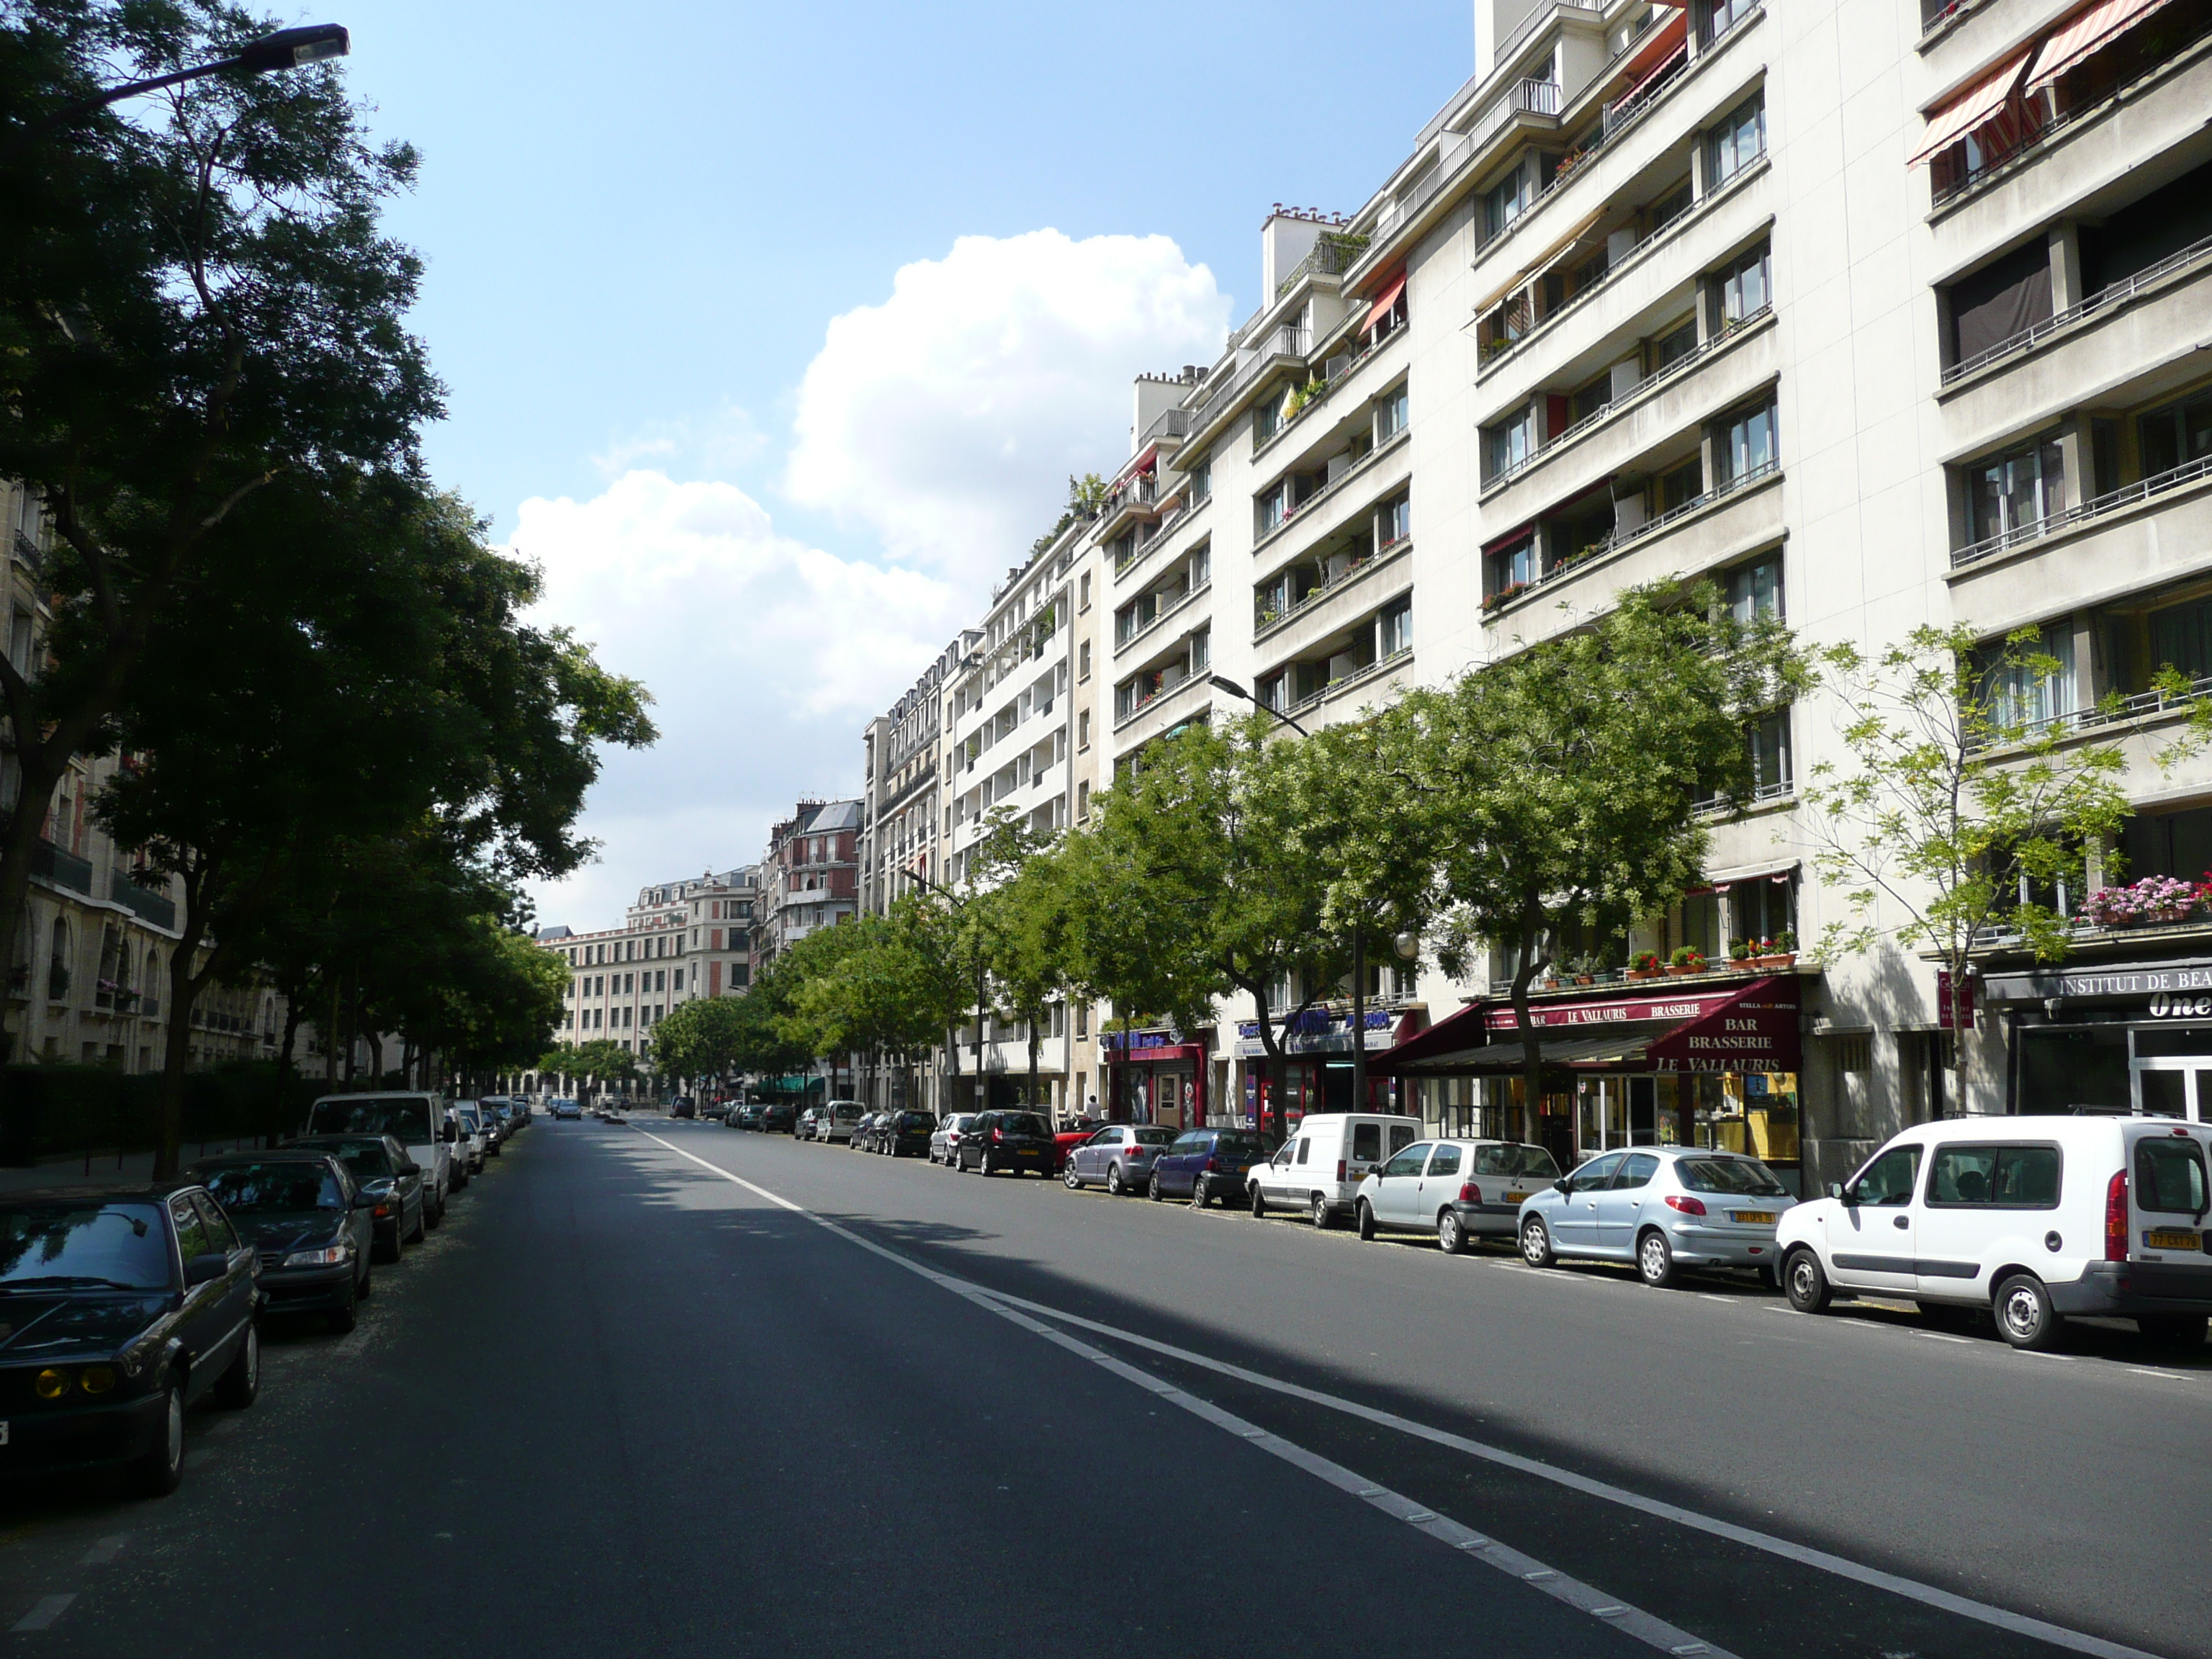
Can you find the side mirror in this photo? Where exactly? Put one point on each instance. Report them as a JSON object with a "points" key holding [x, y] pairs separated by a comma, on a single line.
{"points": [[1564, 1186], [452, 1132], [364, 1200], [203, 1269], [1835, 1189]]}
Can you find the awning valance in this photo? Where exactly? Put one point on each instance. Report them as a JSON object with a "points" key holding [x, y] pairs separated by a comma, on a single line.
{"points": [[1750, 1025], [1384, 300], [2090, 31], [1971, 108]]}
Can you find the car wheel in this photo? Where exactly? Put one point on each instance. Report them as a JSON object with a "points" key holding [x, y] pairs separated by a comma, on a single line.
{"points": [[1536, 1242], [1805, 1282], [421, 1221], [1069, 1179], [1259, 1201], [2174, 1330], [1113, 1184], [431, 1217], [236, 1387], [1200, 1198], [1320, 1214], [390, 1252], [1366, 1220], [1154, 1191], [1655, 1259], [2026, 1317], [343, 1317], [1451, 1237], [983, 1163], [157, 1474]]}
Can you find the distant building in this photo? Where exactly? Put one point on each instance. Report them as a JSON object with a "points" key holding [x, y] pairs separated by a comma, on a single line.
{"points": [[811, 877]]}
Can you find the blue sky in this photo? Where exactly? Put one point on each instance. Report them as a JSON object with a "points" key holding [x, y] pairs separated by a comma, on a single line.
{"points": [[642, 225]]}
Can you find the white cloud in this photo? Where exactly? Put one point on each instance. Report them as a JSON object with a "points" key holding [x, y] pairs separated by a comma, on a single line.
{"points": [[949, 418], [765, 658]]}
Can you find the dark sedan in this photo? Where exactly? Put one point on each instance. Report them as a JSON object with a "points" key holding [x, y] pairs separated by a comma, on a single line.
{"points": [[746, 1117], [381, 1167], [906, 1131], [120, 1307], [1207, 1164], [1000, 1141], [780, 1120], [312, 1226]]}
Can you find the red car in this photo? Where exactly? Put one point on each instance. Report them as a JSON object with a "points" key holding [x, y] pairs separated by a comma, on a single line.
{"points": [[1074, 1135]]}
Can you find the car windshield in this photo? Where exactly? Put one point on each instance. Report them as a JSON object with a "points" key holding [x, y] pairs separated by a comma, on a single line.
{"points": [[1512, 1160], [407, 1121], [1028, 1123], [1154, 1136], [246, 1188], [1237, 1143], [122, 1245], [1747, 1175]]}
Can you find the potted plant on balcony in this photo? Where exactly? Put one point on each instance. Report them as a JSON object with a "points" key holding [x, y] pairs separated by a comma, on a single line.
{"points": [[1687, 959], [1743, 952], [1505, 596], [1777, 955], [1583, 970], [2150, 902], [1644, 964]]}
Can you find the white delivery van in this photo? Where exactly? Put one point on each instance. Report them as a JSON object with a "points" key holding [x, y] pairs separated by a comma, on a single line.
{"points": [[417, 1121], [1319, 1169], [2032, 1218]]}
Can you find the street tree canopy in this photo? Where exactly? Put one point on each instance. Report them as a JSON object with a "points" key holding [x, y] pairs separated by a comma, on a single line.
{"points": [[703, 1037]]}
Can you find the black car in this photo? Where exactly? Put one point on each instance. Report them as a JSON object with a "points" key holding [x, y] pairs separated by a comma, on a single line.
{"points": [[906, 1131], [868, 1134], [683, 1106], [1003, 1141], [780, 1119], [315, 1228], [120, 1307], [381, 1166]]}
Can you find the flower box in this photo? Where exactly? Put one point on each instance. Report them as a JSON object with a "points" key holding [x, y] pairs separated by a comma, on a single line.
{"points": [[1641, 974], [1674, 972], [1775, 964]]}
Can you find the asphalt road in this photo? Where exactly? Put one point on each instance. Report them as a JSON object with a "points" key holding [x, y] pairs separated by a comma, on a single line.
{"points": [[843, 1404]]}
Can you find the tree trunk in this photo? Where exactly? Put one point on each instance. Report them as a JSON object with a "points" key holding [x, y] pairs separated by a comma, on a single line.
{"points": [[285, 1053], [1532, 938], [1033, 1062], [376, 1059], [176, 1049]]}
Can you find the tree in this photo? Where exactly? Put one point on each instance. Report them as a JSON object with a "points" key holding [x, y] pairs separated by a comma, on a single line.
{"points": [[195, 300], [702, 1037], [1558, 787], [765, 1046], [1958, 809], [601, 1059]]}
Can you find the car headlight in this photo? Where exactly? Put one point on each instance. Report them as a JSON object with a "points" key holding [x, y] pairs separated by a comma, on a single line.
{"points": [[323, 1258], [51, 1384], [96, 1379]]}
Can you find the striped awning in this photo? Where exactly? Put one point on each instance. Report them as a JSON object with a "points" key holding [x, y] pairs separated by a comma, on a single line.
{"points": [[1978, 104], [2088, 34]]}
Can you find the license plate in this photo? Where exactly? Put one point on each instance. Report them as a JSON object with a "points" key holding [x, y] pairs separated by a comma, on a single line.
{"points": [[1515, 1198], [2172, 1238], [1752, 1217]]}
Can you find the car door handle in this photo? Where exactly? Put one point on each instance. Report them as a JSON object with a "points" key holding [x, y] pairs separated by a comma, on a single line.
{"points": [[1902, 1221]]}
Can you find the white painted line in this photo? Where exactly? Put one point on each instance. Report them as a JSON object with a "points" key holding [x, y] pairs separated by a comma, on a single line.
{"points": [[198, 1459], [104, 1551], [2169, 1377], [1938, 1336], [42, 1617], [1912, 1590]]}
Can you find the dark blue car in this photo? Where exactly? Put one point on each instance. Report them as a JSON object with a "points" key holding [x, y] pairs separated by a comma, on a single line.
{"points": [[1205, 1164]]}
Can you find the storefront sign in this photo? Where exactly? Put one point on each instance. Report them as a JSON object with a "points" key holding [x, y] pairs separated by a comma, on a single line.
{"points": [[1962, 1018], [2163, 1006], [1743, 1037], [1154, 1043], [2132, 981], [1318, 1030], [1620, 1011]]}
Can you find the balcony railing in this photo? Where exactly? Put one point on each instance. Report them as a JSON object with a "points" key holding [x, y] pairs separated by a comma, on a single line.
{"points": [[1619, 539], [1322, 693], [1293, 515], [2097, 507], [1333, 255], [63, 869], [1264, 621], [145, 905], [1174, 423], [1124, 640], [1719, 806], [2119, 293], [1289, 340]]}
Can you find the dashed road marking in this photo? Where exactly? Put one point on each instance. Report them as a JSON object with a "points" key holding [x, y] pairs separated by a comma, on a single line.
{"points": [[42, 1616], [104, 1551]]}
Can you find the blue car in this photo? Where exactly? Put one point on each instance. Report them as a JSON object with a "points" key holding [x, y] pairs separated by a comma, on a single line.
{"points": [[1205, 1164]]}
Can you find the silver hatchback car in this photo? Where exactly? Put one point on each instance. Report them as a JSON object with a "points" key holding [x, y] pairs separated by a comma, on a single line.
{"points": [[1661, 1207], [1121, 1155]]}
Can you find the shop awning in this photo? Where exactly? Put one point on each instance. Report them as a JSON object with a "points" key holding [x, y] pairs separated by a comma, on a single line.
{"points": [[2086, 35], [1968, 109], [1743, 1025], [1385, 301]]}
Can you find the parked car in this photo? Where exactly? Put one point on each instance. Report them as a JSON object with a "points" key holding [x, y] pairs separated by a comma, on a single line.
{"points": [[838, 1119], [1118, 1158], [802, 1127], [780, 1118], [944, 1139], [474, 1137], [567, 1108], [747, 1116], [1004, 1140], [683, 1106], [1205, 1164], [863, 1138], [1319, 1169], [1661, 1207], [383, 1169], [1460, 1190], [2032, 1218], [417, 1121], [123, 1306], [311, 1223], [903, 1133], [1071, 1135]]}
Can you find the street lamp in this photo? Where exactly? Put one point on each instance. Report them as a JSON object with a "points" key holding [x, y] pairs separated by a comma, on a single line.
{"points": [[285, 49], [1223, 682]]}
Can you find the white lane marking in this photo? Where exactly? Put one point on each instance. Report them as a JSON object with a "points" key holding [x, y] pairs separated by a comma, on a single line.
{"points": [[1651, 1630], [1912, 1590], [2170, 1376], [199, 1458], [1938, 1336], [41, 1617], [104, 1551]]}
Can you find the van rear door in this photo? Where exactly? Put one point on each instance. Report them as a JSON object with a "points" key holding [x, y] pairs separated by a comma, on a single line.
{"points": [[2172, 1194]]}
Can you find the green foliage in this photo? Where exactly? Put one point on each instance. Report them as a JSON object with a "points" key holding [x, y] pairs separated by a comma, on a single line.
{"points": [[699, 1038], [601, 1059], [1086, 496]]}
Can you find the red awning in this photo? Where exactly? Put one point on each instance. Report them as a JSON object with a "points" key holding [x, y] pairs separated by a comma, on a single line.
{"points": [[1385, 300], [1507, 540], [1749, 1025], [2089, 31], [1976, 104], [1672, 36]]}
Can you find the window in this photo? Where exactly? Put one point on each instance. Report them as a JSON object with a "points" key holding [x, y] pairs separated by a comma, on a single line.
{"points": [[1744, 287], [1722, 15], [1671, 206], [1635, 1171], [1740, 140], [1754, 590], [2032, 687], [1994, 1177], [1598, 1171], [1083, 603], [1082, 799], [1444, 1161], [1889, 1179], [1390, 416], [1083, 660], [1394, 628], [1266, 417], [1407, 1163], [1083, 729], [1515, 566], [1744, 443], [1201, 482], [2176, 436], [1679, 486], [2011, 494], [1510, 443], [1676, 344], [2000, 302], [1507, 200], [1201, 650], [677, 983], [1854, 1051], [1394, 522], [1367, 1141], [1769, 740], [2169, 1177]]}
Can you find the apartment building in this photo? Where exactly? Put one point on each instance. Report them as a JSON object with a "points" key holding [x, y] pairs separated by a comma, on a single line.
{"points": [[901, 842], [810, 877], [680, 940], [1875, 316]]}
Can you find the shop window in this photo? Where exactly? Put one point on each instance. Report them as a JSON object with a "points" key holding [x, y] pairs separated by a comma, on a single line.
{"points": [[2011, 494], [1737, 142]]}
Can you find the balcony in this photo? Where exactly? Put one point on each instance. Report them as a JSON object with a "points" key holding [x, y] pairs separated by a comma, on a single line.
{"points": [[1334, 252], [1357, 570], [1171, 607], [146, 904], [2187, 476], [2194, 258], [1323, 510], [60, 868], [1367, 675], [1152, 534], [1284, 346]]}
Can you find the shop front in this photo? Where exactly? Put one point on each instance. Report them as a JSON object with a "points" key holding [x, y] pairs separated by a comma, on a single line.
{"points": [[2120, 1037], [1671, 1065], [1315, 1074], [1156, 1075]]}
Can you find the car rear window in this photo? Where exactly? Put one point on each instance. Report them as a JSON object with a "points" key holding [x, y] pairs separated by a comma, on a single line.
{"points": [[1028, 1123], [1155, 1137], [1238, 1144], [1994, 1177], [1367, 1140], [2170, 1175], [1512, 1160], [1745, 1176]]}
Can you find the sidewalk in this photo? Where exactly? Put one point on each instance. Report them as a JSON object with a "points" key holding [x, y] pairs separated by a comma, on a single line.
{"points": [[80, 1170]]}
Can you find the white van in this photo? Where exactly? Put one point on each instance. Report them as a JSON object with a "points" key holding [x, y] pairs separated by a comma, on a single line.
{"points": [[2031, 1217], [1319, 1169], [840, 1118], [417, 1121]]}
